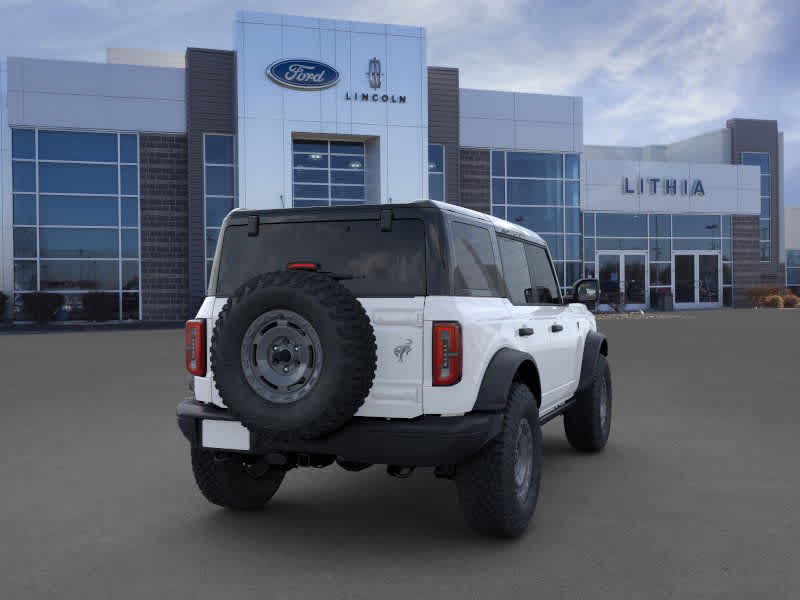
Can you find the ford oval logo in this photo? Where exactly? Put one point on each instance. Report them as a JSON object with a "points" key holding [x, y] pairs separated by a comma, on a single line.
{"points": [[303, 74]]}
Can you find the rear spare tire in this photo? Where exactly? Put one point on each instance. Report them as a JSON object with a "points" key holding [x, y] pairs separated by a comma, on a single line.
{"points": [[293, 354]]}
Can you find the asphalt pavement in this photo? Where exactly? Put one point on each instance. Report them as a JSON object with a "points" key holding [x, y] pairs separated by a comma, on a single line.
{"points": [[696, 495]]}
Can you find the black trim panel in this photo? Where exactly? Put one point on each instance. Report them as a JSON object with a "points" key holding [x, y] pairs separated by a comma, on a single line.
{"points": [[496, 384], [425, 441], [595, 345]]}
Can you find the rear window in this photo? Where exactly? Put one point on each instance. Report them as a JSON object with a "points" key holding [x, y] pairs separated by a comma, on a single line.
{"points": [[381, 263], [475, 270]]}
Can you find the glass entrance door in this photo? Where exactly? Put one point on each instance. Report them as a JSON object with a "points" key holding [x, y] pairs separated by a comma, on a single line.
{"points": [[623, 280], [697, 279]]}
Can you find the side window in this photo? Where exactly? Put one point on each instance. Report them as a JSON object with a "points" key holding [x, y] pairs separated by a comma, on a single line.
{"points": [[545, 286], [475, 270], [515, 270]]}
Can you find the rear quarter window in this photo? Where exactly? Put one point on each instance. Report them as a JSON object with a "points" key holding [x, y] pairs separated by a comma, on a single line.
{"points": [[475, 271]]}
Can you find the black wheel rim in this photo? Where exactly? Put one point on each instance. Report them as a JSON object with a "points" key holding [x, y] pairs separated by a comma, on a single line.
{"points": [[523, 459], [604, 408], [281, 356]]}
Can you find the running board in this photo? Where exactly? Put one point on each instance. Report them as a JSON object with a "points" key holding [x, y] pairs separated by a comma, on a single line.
{"points": [[556, 411]]}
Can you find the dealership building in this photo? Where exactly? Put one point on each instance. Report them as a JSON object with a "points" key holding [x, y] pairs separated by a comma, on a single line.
{"points": [[115, 176]]}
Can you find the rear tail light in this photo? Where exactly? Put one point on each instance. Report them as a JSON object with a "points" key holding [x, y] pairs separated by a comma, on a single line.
{"points": [[196, 347], [447, 357], [303, 266]]}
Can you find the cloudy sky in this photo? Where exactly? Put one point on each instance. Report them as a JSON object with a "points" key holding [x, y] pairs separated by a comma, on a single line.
{"points": [[649, 72]]}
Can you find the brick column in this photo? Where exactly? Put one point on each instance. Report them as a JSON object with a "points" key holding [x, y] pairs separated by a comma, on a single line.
{"points": [[475, 180]]}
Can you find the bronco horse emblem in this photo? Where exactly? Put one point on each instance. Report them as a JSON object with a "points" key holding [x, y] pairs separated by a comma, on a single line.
{"points": [[402, 350]]}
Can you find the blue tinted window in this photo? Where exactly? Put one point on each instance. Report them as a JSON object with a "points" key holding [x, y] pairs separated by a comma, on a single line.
{"points": [[315, 161], [759, 159], [623, 225], [219, 181], [550, 220], [80, 275], [793, 277], [310, 191], [695, 244], [529, 164], [130, 212], [765, 185], [573, 166], [660, 249], [696, 225], [556, 245], [726, 226], [77, 179], [78, 243], [130, 306], [346, 162], [211, 241], [498, 163], [357, 177], [310, 146], [24, 209], [525, 191], [23, 176], [765, 208], [793, 258], [219, 149], [129, 180], [588, 249], [346, 202], [24, 275], [347, 148], [572, 189], [763, 228], [727, 249], [130, 275], [304, 203], [498, 191], [588, 224], [77, 210], [130, 243], [766, 251], [621, 244], [312, 175], [347, 192], [572, 220], [572, 246], [435, 158], [128, 149], [572, 273], [216, 209], [25, 242], [499, 211], [23, 143], [435, 185], [73, 145], [660, 226]]}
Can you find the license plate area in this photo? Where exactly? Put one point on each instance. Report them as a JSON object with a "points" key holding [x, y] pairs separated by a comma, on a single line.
{"points": [[224, 435]]}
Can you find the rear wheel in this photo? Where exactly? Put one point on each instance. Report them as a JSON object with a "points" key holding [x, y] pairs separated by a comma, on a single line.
{"points": [[498, 488], [234, 480], [588, 422]]}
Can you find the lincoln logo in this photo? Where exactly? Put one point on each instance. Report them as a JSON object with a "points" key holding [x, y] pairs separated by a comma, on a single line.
{"points": [[669, 187], [301, 74], [374, 74]]}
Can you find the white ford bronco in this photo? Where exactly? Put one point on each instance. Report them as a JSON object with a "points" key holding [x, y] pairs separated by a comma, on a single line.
{"points": [[410, 335]]}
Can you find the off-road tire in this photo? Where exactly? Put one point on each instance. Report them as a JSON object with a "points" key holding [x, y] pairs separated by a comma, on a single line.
{"points": [[586, 430], [224, 480], [486, 483], [346, 337]]}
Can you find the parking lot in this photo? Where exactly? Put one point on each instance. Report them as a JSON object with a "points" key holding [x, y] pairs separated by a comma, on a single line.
{"points": [[696, 495]]}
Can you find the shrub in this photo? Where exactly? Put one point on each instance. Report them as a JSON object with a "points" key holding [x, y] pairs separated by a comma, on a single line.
{"points": [[790, 301], [99, 306], [41, 306], [773, 301]]}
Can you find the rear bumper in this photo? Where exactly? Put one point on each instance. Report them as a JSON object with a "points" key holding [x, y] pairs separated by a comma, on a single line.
{"points": [[425, 441]]}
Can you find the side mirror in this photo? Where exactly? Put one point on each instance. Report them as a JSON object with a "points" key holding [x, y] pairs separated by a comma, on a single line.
{"points": [[586, 291]]}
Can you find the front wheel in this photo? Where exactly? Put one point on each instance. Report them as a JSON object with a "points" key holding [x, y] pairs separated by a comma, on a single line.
{"points": [[498, 488], [233, 480], [588, 422]]}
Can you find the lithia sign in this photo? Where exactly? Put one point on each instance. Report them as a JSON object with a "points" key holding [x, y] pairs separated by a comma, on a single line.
{"points": [[306, 74], [667, 186]]}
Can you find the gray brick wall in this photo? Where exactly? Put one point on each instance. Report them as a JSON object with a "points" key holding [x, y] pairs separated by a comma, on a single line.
{"points": [[475, 182], [443, 124], [165, 227]]}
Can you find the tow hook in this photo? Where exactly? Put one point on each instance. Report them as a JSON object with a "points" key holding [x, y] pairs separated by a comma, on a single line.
{"points": [[399, 471]]}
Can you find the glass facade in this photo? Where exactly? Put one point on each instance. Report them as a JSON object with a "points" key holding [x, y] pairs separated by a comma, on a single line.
{"points": [[436, 172], [76, 219], [541, 191], [761, 160], [219, 166], [659, 235], [327, 173], [793, 268]]}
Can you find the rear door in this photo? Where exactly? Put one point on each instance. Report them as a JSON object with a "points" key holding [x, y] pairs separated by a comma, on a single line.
{"points": [[559, 358]]}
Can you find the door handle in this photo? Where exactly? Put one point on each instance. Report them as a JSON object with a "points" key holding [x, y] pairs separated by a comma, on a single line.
{"points": [[523, 331], [555, 328]]}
